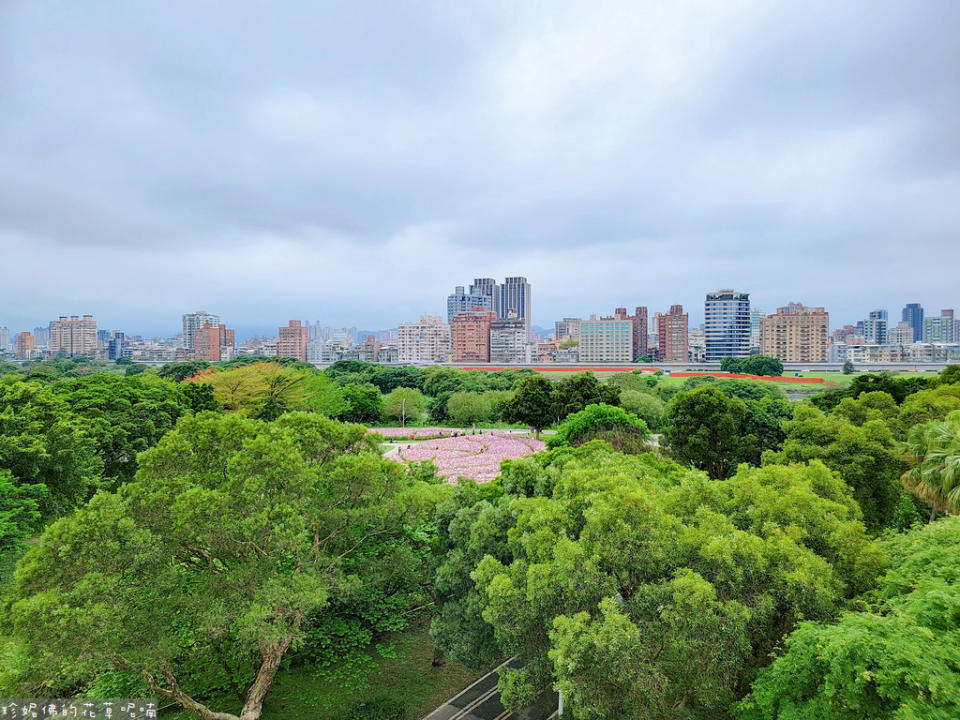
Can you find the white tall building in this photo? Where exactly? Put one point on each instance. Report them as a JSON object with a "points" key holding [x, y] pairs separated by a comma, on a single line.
{"points": [[195, 321], [5, 343], [426, 341], [74, 336]]}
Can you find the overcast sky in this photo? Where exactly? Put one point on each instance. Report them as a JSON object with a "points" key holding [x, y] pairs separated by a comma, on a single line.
{"points": [[350, 162]]}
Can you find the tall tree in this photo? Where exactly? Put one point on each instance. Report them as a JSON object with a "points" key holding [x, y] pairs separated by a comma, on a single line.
{"points": [[532, 404], [702, 429], [235, 535], [577, 391], [933, 450]]}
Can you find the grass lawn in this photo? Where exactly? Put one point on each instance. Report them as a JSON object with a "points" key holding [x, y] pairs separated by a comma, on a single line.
{"points": [[298, 693]]}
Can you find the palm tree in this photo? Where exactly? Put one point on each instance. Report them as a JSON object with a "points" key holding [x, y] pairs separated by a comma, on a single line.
{"points": [[933, 449]]}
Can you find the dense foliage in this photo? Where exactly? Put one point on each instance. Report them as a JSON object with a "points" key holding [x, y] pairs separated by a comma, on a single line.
{"points": [[639, 588], [235, 537], [753, 365]]}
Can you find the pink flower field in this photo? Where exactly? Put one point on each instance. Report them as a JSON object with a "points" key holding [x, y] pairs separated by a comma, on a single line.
{"points": [[473, 456], [415, 432]]}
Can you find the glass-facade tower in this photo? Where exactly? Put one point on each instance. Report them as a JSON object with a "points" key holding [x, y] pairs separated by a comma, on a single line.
{"points": [[727, 324]]}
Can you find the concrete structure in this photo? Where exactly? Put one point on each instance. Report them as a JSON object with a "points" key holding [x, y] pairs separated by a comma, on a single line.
{"points": [[902, 334], [471, 335], [727, 324], [388, 354], [884, 353], [796, 333], [516, 295], [6, 343], [875, 328], [913, 316], [460, 302], [426, 341], [292, 340], [487, 287], [118, 347], [944, 329], [639, 320], [672, 335], [609, 339], [370, 349], [192, 322], [25, 346], [756, 315], [73, 337], [214, 343], [509, 341], [567, 328]]}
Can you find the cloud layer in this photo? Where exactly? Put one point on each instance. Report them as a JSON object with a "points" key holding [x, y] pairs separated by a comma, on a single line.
{"points": [[353, 162]]}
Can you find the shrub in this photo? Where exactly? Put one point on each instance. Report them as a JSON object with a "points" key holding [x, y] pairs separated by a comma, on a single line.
{"points": [[613, 424]]}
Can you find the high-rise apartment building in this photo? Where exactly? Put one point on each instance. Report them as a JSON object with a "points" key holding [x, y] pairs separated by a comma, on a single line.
{"points": [[25, 346], [639, 320], [727, 324], [194, 321], [292, 340], [609, 339], [471, 335], [516, 296], [73, 337], [510, 342], [487, 287], [901, 334], [943, 329], [756, 315], [213, 343], [796, 333], [913, 316], [117, 346], [423, 342], [461, 301], [672, 335], [6, 345], [875, 329], [567, 328]]}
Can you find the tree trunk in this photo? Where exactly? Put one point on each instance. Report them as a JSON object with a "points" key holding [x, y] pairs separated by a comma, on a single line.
{"points": [[439, 659], [272, 656], [537, 435], [933, 514]]}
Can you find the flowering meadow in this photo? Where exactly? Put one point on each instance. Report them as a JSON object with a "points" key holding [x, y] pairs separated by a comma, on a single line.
{"points": [[473, 456], [414, 433]]}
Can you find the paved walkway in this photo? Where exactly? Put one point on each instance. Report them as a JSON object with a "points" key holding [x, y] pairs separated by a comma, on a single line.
{"points": [[481, 701]]}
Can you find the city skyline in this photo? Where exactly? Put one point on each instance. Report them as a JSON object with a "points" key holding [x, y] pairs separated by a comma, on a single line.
{"points": [[348, 164]]}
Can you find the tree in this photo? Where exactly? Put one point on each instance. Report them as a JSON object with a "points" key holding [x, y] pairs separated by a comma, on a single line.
{"points": [[637, 587], [624, 431], [950, 374], [199, 397], [364, 403], [124, 415], [532, 404], [730, 364], [762, 365], [19, 511], [702, 429], [234, 537], [467, 407], [266, 390], [933, 451], [404, 403], [180, 371], [899, 659], [647, 407], [848, 368], [577, 391], [43, 443]]}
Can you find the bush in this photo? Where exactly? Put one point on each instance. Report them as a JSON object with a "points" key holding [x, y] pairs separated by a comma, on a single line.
{"points": [[613, 424]]}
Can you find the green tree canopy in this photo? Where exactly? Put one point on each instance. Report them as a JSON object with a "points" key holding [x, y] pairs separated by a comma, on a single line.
{"points": [[933, 451], [467, 407], [574, 393], [234, 538], [898, 660], [404, 403], [532, 404], [639, 588], [624, 431], [702, 429], [266, 390], [364, 403]]}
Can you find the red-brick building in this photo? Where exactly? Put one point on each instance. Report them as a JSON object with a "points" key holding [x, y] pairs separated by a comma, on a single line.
{"points": [[292, 341], [471, 335], [209, 342]]}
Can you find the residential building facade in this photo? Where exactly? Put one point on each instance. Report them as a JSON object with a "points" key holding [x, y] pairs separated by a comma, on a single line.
{"points": [[567, 328], [426, 341], [796, 333], [192, 322], [672, 335], [25, 346], [875, 329], [913, 316], [516, 296], [727, 324], [74, 336], [609, 339], [470, 333], [460, 302], [292, 340], [510, 342], [943, 329]]}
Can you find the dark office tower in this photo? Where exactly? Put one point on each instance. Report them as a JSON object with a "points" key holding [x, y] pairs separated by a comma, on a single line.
{"points": [[727, 324], [515, 297], [913, 315], [487, 287]]}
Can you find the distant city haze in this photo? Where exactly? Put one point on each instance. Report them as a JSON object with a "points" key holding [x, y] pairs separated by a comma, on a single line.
{"points": [[353, 164]]}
